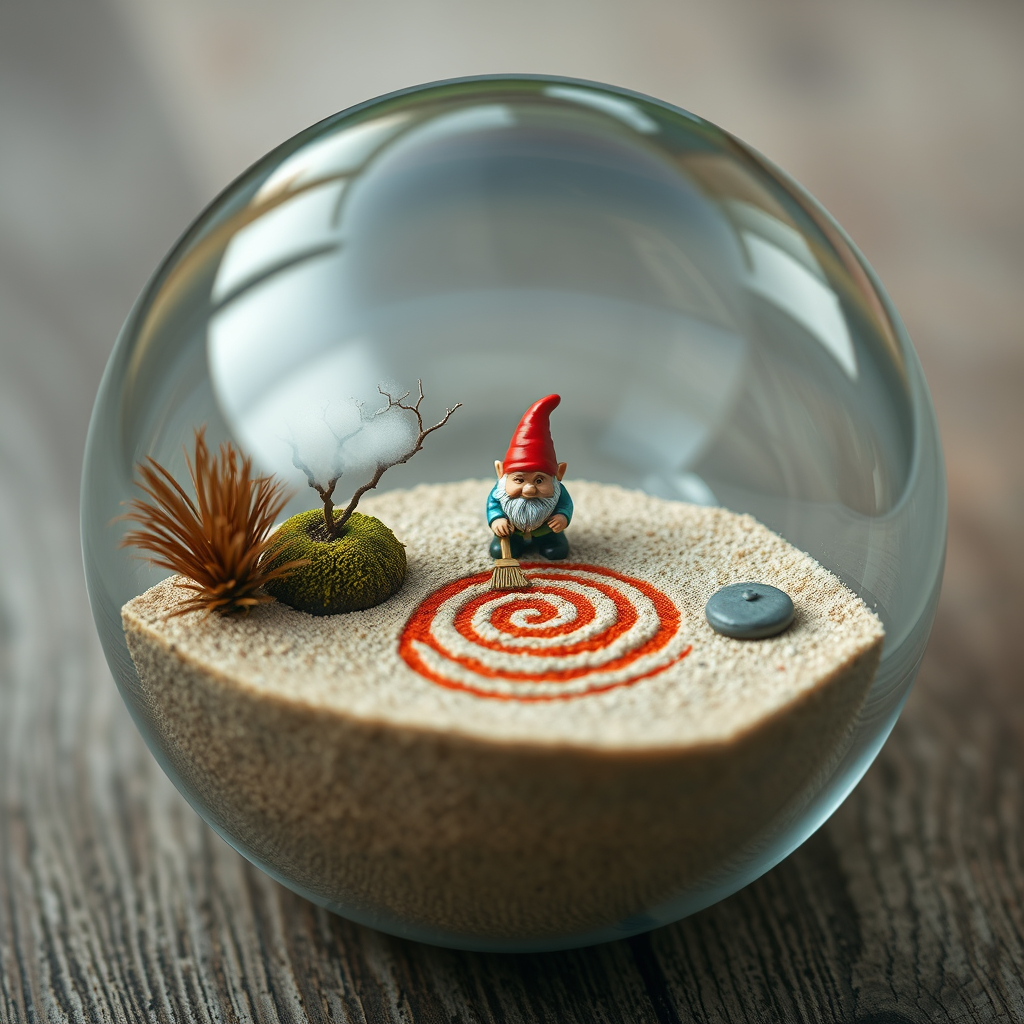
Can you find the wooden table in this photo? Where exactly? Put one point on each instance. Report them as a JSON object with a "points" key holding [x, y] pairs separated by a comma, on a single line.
{"points": [[117, 903]]}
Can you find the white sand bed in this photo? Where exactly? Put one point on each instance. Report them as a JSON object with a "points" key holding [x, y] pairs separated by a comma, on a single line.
{"points": [[351, 664], [512, 765]]}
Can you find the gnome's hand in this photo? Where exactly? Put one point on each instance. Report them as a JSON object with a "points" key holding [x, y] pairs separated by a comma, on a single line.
{"points": [[503, 528], [557, 523]]}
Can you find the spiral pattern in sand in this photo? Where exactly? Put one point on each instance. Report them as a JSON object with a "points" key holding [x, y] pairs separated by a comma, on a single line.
{"points": [[580, 629]]}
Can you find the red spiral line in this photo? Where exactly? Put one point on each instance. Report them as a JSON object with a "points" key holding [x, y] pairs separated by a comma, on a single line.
{"points": [[418, 629]]}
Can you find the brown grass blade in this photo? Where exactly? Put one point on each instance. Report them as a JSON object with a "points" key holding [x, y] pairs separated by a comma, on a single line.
{"points": [[223, 541]]}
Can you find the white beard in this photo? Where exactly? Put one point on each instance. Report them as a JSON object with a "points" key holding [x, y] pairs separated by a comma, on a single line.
{"points": [[526, 514]]}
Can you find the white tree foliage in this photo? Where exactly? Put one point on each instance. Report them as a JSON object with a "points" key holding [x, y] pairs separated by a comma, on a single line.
{"points": [[349, 440]]}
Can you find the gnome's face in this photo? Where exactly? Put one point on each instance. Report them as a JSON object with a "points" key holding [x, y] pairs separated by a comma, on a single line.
{"points": [[529, 485], [528, 497], [523, 505]]}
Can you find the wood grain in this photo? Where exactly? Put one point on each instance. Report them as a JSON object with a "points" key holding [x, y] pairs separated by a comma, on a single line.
{"points": [[118, 904]]}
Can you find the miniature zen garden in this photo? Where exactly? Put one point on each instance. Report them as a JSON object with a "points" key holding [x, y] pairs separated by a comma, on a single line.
{"points": [[231, 555], [533, 670], [500, 679]]}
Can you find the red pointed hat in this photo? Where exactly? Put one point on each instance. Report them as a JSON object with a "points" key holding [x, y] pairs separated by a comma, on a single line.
{"points": [[531, 446]]}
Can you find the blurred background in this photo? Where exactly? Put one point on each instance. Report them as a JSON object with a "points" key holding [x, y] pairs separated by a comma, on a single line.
{"points": [[121, 119]]}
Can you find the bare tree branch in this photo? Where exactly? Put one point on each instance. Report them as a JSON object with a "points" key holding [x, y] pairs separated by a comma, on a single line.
{"points": [[326, 492], [334, 527], [345, 438], [382, 467], [297, 461]]}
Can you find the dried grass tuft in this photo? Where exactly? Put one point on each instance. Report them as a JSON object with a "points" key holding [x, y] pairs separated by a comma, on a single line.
{"points": [[222, 541]]}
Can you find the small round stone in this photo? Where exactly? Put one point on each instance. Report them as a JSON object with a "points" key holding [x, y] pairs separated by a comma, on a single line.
{"points": [[749, 611]]}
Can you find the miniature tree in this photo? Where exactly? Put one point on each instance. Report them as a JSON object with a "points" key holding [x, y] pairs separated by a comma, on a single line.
{"points": [[382, 456], [354, 561]]}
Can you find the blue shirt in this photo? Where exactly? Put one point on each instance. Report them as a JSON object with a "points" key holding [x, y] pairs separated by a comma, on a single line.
{"points": [[562, 507]]}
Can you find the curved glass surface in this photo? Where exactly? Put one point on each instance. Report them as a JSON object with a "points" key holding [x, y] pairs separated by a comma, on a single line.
{"points": [[715, 336]]}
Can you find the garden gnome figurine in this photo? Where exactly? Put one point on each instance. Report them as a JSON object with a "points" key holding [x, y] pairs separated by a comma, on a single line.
{"points": [[529, 504]]}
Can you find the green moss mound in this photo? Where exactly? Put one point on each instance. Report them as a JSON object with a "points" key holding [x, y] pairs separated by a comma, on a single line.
{"points": [[359, 569]]}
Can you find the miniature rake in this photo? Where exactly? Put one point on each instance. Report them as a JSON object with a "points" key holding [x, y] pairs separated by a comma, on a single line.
{"points": [[508, 574]]}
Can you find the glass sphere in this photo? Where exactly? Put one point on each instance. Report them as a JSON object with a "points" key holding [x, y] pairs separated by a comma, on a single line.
{"points": [[715, 337]]}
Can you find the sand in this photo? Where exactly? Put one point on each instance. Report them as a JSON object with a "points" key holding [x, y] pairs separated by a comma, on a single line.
{"points": [[528, 769]]}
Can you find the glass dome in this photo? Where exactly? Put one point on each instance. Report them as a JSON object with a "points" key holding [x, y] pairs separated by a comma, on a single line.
{"points": [[715, 337]]}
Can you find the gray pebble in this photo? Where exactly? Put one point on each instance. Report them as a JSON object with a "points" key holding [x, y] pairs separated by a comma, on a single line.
{"points": [[749, 611]]}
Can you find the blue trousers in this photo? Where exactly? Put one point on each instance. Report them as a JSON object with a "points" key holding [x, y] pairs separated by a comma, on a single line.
{"points": [[553, 546]]}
